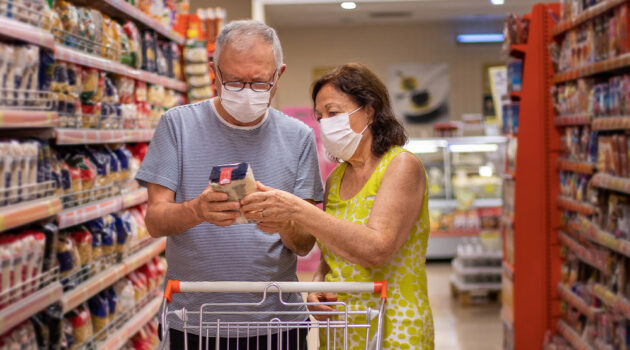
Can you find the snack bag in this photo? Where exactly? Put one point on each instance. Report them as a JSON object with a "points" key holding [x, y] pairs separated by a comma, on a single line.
{"points": [[237, 180]]}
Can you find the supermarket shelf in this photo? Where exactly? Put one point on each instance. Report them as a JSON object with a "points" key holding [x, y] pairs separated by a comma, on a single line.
{"points": [[573, 119], [94, 136], [609, 298], [27, 119], [26, 32], [576, 167], [120, 8], [75, 216], [612, 123], [474, 286], [591, 231], [135, 197], [610, 182], [474, 270], [104, 279], [575, 301], [454, 233], [571, 204], [594, 68], [582, 253], [569, 334], [483, 255], [20, 311], [24, 213], [452, 203], [120, 337], [518, 49], [583, 17], [67, 54]]}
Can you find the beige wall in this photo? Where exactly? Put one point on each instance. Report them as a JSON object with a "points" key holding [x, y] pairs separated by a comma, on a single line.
{"points": [[383, 45], [235, 9]]}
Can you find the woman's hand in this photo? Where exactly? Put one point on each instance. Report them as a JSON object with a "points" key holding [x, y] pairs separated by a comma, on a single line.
{"points": [[270, 207], [318, 297]]}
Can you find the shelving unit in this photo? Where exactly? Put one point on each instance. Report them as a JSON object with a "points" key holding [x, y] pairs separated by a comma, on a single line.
{"points": [[575, 301], [576, 167], [610, 182], [571, 120], [17, 30], [611, 123], [583, 254], [67, 54], [92, 136], [27, 119], [609, 298], [24, 213], [38, 120], [593, 69], [567, 203], [117, 339], [527, 297], [590, 13], [20, 311], [104, 279], [75, 216], [606, 239], [569, 334]]}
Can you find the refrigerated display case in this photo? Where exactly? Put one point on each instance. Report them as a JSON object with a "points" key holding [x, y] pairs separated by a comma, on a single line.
{"points": [[465, 188]]}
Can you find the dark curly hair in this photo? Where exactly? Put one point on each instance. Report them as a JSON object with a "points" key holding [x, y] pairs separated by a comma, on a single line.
{"points": [[366, 89]]}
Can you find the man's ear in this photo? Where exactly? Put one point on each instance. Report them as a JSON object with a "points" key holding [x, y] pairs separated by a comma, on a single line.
{"points": [[282, 69]]}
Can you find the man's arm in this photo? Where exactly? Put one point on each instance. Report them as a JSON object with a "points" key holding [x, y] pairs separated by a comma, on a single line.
{"points": [[167, 218]]}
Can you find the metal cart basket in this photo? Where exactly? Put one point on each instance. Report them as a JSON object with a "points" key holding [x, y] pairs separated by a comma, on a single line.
{"points": [[333, 330]]}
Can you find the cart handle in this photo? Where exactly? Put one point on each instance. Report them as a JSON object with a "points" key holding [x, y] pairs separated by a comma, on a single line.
{"points": [[174, 287]]}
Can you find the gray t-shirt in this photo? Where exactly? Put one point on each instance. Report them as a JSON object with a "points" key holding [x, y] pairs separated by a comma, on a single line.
{"points": [[281, 150]]}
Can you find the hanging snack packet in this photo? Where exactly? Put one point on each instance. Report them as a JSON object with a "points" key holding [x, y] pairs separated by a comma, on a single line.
{"points": [[237, 180]]}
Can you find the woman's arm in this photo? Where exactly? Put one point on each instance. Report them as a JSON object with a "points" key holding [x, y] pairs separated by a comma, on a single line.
{"points": [[393, 215]]}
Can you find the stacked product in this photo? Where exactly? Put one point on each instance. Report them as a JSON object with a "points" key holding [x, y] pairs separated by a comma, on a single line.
{"points": [[197, 74], [477, 269], [147, 338]]}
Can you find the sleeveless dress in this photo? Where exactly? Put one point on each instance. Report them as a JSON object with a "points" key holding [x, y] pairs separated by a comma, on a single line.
{"points": [[408, 320]]}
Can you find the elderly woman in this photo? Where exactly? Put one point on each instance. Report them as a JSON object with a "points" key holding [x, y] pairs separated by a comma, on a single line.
{"points": [[375, 225]]}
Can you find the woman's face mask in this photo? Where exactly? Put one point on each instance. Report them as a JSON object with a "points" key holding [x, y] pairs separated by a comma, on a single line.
{"points": [[338, 137]]}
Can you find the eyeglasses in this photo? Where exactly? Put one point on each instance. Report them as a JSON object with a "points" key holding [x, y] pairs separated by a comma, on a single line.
{"points": [[256, 86]]}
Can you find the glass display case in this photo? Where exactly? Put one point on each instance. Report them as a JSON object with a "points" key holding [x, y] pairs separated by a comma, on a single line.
{"points": [[465, 188]]}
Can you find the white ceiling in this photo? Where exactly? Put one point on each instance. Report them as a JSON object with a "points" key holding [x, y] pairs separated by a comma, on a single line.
{"points": [[287, 13]]}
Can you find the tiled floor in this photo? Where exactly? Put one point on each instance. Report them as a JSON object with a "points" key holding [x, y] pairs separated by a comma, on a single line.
{"points": [[476, 327]]}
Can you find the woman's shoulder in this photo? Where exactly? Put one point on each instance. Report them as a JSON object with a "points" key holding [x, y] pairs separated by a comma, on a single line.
{"points": [[404, 164]]}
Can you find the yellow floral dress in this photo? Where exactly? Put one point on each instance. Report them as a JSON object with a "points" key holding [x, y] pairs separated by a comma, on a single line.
{"points": [[408, 320]]}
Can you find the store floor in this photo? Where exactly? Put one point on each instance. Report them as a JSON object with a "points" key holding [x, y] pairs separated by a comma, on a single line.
{"points": [[476, 327]]}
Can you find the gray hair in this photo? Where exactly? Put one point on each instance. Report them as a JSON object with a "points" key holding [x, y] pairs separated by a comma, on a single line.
{"points": [[247, 28]]}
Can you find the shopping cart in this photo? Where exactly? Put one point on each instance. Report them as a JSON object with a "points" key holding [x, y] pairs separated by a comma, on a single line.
{"points": [[335, 328]]}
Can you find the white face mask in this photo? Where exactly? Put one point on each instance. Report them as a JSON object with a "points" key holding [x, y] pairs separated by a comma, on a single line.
{"points": [[245, 105], [338, 137]]}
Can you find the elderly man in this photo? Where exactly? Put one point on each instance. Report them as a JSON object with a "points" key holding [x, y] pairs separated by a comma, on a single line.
{"points": [[237, 126]]}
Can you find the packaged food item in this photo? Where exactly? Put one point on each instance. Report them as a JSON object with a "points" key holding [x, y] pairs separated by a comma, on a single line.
{"points": [[195, 54], [141, 91], [97, 23], [124, 156], [99, 309], [111, 40], [196, 69], [83, 241], [68, 256], [134, 49], [161, 60], [87, 29], [149, 51], [174, 56], [200, 94], [108, 240], [126, 294], [236, 180], [114, 166], [82, 330], [97, 248], [70, 21], [51, 231], [199, 80], [112, 301]]}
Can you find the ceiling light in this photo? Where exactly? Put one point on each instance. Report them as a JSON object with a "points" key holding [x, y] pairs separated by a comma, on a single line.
{"points": [[497, 2], [348, 5], [480, 38]]}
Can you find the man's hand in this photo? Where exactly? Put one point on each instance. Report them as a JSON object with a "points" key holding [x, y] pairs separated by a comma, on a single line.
{"points": [[320, 298], [214, 208]]}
